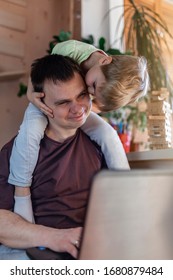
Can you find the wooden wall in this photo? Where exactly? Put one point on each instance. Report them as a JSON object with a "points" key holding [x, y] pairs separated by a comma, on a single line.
{"points": [[26, 27]]}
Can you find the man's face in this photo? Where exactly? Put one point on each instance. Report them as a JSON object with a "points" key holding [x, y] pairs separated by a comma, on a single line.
{"points": [[70, 103]]}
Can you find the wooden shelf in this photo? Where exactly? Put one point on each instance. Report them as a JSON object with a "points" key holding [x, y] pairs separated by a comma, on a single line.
{"points": [[161, 154], [11, 75], [153, 159]]}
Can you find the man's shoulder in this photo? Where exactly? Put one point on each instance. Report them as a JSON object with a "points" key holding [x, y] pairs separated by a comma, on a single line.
{"points": [[89, 142], [5, 154], [84, 135], [8, 145], [95, 147]]}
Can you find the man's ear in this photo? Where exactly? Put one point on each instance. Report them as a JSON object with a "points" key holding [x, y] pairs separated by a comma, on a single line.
{"points": [[105, 60]]}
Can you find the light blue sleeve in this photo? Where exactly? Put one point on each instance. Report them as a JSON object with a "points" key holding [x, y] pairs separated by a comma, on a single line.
{"points": [[26, 147], [107, 138]]}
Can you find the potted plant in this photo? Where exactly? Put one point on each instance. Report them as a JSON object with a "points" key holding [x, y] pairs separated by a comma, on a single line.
{"points": [[144, 34]]}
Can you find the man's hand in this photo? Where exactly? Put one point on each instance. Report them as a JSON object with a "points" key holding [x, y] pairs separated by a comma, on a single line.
{"points": [[35, 98], [65, 240], [15, 232]]}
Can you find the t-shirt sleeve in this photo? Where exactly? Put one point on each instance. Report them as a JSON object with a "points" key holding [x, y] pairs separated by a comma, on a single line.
{"points": [[77, 50], [103, 161], [6, 190], [104, 164]]}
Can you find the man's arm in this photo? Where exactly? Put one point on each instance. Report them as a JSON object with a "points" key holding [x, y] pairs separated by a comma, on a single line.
{"points": [[15, 232]]}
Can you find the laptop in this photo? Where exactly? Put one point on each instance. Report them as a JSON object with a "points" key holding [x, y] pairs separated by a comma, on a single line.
{"points": [[129, 216]]}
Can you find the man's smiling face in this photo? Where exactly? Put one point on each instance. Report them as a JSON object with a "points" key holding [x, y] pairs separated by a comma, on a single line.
{"points": [[69, 101]]}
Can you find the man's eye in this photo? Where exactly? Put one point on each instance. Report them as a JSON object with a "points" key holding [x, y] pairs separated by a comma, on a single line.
{"points": [[62, 103]]}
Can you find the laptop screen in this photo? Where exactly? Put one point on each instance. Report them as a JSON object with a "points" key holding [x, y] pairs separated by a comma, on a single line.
{"points": [[129, 216]]}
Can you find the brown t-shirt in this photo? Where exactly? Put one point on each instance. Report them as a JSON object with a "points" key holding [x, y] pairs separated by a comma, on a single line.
{"points": [[61, 180]]}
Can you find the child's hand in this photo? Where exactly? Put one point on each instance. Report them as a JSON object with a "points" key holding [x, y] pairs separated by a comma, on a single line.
{"points": [[35, 98]]}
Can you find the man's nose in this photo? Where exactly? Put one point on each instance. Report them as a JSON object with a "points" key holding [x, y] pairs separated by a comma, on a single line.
{"points": [[76, 108]]}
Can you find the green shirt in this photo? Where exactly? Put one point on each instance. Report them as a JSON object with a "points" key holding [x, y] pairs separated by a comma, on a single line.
{"points": [[77, 50]]}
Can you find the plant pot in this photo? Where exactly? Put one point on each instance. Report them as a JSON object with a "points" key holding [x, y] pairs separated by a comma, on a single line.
{"points": [[126, 141]]}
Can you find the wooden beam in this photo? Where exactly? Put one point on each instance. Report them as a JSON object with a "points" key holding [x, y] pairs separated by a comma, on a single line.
{"points": [[12, 21], [10, 75], [10, 47], [18, 2]]}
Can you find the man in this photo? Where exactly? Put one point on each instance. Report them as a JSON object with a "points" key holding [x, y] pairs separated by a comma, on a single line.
{"points": [[67, 161]]}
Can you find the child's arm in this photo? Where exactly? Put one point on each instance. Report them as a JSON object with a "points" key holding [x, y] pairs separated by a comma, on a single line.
{"points": [[26, 147], [106, 137], [24, 158], [23, 203]]}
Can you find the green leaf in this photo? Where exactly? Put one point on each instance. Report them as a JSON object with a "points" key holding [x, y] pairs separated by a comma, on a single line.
{"points": [[102, 42], [22, 90]]}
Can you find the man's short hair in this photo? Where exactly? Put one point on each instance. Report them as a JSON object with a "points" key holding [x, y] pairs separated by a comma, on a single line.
{"points": [[55, 68]]}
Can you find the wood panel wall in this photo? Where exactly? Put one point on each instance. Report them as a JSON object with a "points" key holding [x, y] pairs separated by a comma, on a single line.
{"points": [[26, 28]]}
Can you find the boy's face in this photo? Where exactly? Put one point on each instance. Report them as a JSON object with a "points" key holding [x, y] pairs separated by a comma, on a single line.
{"points": [[70, 103], [95, 79]]}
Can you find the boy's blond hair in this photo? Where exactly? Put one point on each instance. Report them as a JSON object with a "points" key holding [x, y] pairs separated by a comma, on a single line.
{"points": [[127, 80]]}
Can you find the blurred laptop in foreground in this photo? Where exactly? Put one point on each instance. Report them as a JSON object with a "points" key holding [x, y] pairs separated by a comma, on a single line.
{"points": [[129, 216]]}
